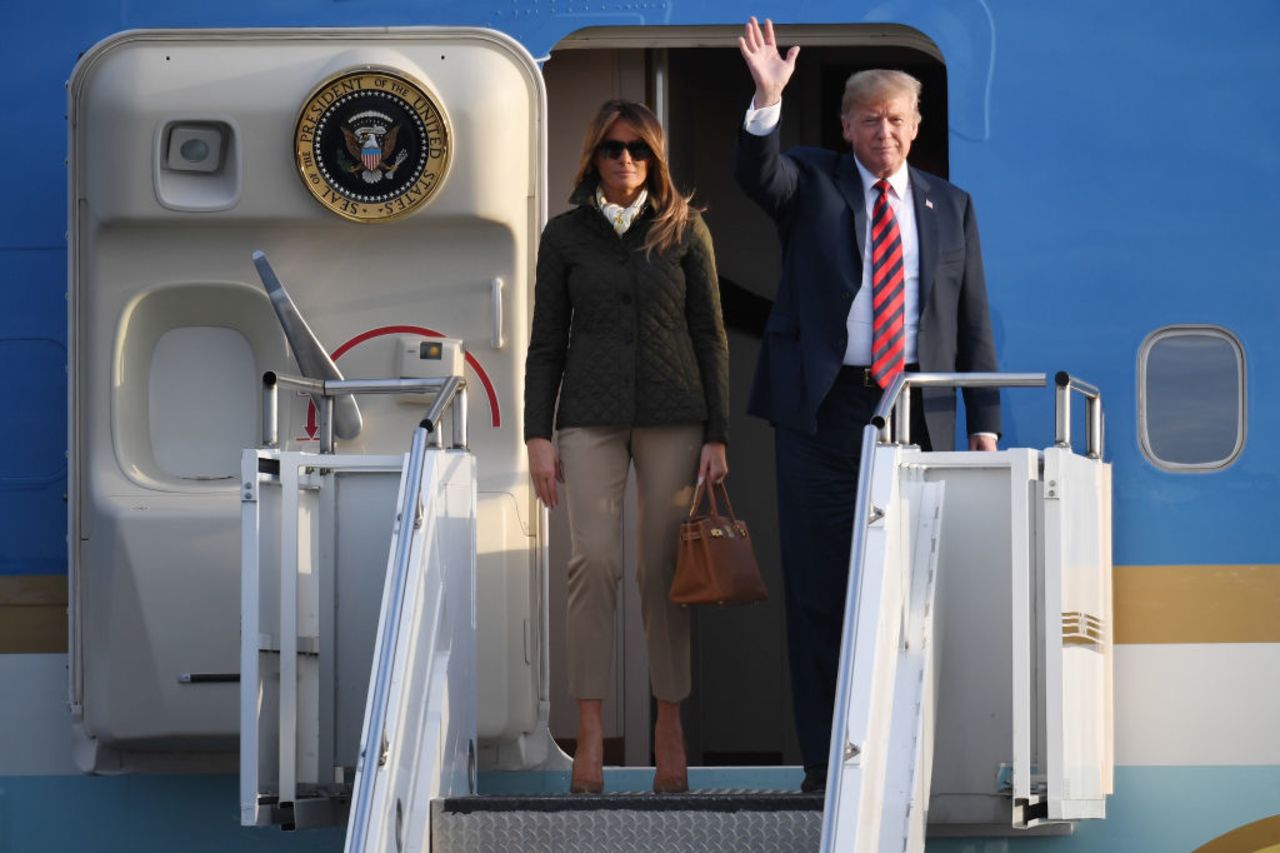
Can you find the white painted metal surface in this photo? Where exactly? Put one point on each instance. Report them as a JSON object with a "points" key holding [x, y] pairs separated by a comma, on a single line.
{"points": [[1181, 708], [879, 794], [1023, 617], [1079, 628], [1006, 647], [154, 522], [910, 770], [855, 794], [985, 630], [304, 543], [423, 682]]}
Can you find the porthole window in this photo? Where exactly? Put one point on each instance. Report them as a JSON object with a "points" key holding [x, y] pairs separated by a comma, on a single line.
{"points": [[1191, 398]]}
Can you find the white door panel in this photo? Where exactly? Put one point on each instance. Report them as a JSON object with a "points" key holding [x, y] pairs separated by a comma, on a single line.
{"points": [[160, 268]]}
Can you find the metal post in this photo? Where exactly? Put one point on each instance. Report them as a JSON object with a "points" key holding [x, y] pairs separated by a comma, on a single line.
{"points": [[446, 396], [1093, 444], [902, 415], [287, 748], [326, 424], [1062, 411], [1093, 413], [270, 411], [460, 419]]}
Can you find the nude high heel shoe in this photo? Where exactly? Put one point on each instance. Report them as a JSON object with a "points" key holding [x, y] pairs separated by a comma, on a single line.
{"points": [[588, 756], [672, 773]]}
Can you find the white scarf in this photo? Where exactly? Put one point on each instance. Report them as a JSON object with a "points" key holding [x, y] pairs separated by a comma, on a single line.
{"points": [[620, 217]]}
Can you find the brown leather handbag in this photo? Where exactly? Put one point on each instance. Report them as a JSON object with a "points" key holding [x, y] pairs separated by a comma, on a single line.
{"points": [[715, 563]]}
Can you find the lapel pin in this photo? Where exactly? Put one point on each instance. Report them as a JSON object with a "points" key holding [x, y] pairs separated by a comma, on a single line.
{"points": [[928, 204]]}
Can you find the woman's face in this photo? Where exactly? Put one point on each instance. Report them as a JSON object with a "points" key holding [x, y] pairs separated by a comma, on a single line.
{"points": [[622, 159]]}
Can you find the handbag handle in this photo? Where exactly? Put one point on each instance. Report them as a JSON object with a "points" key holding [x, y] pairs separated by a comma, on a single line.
{"points": [[711, 497]]}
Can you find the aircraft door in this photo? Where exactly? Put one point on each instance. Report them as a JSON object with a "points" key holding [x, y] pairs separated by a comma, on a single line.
{"points": [[395, 180]]}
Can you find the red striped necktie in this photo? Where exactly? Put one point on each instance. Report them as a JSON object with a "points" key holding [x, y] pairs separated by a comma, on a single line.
{"points": [[888, 335]]}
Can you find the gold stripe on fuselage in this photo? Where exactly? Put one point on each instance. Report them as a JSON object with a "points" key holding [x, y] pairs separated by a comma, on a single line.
{"points": [[1262, 836], [1153, 604], [33, 614], [1197, 604]]}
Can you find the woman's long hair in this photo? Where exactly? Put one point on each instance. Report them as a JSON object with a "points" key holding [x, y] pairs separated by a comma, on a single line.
{"points": [[671, 209]]}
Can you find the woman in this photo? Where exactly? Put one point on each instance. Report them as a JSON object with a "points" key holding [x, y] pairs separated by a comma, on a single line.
{"points": [[627, 331]]}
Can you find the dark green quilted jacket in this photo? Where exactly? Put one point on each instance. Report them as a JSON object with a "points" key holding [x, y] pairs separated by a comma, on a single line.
{"points": [[625, 339]]}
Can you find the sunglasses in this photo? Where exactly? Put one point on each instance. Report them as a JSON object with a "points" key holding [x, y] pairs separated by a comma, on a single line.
{"points": [[613, 148]]}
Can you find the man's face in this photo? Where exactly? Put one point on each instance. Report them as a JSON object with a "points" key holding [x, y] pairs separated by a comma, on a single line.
{"points": [[881, 133]]}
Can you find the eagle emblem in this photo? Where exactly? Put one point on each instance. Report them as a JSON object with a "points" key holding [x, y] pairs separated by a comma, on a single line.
{"points": [[372, 144], [371, 139]]}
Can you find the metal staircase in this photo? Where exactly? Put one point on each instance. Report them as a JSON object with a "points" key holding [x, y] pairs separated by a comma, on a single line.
{"points": [[974, 691]]}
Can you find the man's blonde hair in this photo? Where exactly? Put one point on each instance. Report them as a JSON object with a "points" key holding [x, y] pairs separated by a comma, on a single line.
{"points": [[877, 85]]}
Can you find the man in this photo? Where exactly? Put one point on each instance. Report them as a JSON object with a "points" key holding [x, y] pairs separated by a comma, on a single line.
{"points": [[881, 272]]}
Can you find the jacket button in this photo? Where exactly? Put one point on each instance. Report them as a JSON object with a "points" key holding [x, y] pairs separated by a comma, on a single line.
{"points": [[628, 338], [625, 298]]}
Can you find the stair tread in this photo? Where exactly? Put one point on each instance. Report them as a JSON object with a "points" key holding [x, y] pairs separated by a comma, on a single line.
{"points": [[699, 800]]}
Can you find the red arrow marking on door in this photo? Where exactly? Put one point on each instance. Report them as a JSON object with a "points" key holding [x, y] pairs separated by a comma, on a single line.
{"points": [[311, 421]]}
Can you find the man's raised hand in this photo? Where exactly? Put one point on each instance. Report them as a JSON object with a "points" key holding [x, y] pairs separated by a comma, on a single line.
{"points": [[769, 69]]}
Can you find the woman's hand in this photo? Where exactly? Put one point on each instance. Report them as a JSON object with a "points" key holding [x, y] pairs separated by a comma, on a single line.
{"points": [[769, 69], [713, 466], [544, 468]]}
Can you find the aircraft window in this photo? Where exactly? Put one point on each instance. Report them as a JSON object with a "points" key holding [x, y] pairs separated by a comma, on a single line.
{"points": [[1191, 398]]}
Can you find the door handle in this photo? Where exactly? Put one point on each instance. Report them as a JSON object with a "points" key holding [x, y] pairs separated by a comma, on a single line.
{"points": [[495, 297]]}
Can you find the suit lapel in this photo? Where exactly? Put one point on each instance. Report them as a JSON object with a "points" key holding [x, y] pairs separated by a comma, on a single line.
{"points": [[926, 234], [850, 184]]}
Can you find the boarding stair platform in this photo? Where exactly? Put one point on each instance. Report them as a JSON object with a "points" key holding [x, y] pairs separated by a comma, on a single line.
{"points": [[975, 680]]}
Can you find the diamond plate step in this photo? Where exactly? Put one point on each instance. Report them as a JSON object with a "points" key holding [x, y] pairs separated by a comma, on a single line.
{"points": [[710, 821]]}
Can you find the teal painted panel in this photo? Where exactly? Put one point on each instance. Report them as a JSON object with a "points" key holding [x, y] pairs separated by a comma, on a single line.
{"points": [[1154, 810], [139, 814]]}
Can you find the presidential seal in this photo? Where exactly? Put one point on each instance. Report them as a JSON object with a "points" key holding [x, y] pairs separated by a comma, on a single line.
{"points": [[372, 145]]}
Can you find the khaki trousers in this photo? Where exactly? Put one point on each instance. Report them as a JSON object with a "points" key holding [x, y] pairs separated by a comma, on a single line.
{"points": [[595, 462]]}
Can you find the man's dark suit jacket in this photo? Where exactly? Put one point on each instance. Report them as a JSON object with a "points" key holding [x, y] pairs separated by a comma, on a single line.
{"points": [[816, 198]]}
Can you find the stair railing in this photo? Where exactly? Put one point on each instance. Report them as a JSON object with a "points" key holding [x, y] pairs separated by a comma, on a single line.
{"points": [[891, 424], [450, 394]]}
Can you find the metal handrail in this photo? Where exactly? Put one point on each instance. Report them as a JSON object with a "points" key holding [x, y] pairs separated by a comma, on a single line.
{"points": [[311, 357], [375, 743], [1093, 413], [447, 389], [893, 414]]}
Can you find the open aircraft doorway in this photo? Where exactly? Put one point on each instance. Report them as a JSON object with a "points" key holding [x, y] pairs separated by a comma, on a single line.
{"points": [[693, 77]]}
